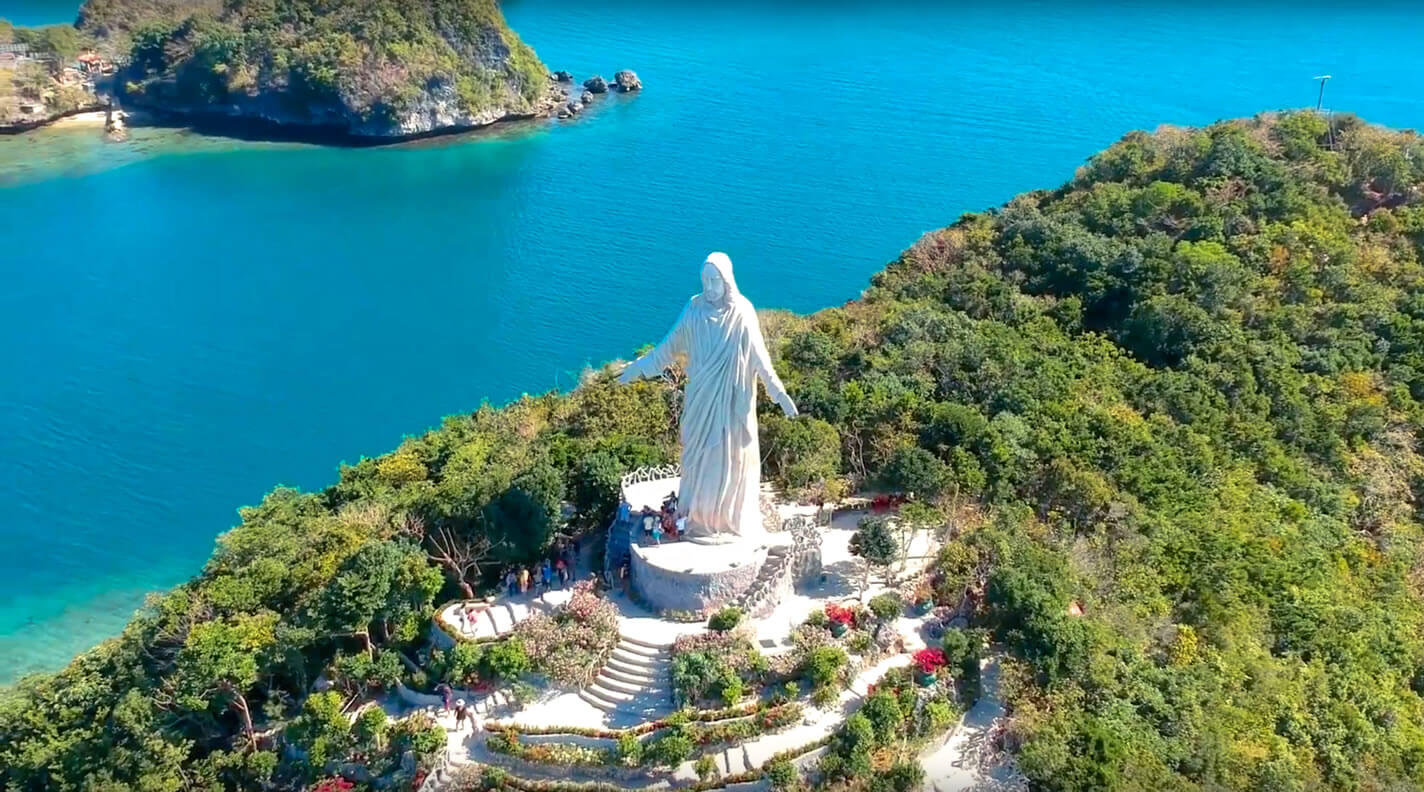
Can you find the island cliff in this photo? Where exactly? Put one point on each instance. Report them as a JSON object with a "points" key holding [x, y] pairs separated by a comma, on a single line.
{"points": [[349, 68]]}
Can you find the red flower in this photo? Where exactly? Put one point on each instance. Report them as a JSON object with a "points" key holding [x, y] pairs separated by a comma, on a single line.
{"points": [[930, 660], [840, 614]]}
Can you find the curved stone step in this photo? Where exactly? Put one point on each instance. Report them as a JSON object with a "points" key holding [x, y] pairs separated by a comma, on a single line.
{"points": [[616, 685], [633, 677], [588, 695], [633, 647], [644, 644], [638, 661], [519, 611]]}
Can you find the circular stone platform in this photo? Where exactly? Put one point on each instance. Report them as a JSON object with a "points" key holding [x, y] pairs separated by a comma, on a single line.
{"points": [[687, 576]]}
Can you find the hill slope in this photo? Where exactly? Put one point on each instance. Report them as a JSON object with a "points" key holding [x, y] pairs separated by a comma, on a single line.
{"points": [[1181, 392], [376, 69]]}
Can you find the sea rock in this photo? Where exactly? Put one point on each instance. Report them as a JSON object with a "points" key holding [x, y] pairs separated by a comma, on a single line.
{"points": [[596, 84], [563, 76], [627, 80], [573, 108], [586, 97]]}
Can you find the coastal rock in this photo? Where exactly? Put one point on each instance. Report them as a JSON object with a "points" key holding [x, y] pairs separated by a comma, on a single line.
{"points": [[563, 76], [573, 107], [596, 84], [375, 94], [586, 97], [627, 81]]}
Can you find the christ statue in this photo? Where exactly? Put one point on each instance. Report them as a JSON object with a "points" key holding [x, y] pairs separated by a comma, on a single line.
{"points": [[719, 334]]}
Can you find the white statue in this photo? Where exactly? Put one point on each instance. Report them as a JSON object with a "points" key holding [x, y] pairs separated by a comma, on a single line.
{"points": [[719, 333]]}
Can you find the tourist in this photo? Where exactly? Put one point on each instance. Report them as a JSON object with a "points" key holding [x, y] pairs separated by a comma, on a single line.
{"points": [[624, 512], [460, 715], [658, 533], [445, 692], [523, 579], [511, 583], [546, 574], [460, 617], [563, 571]]}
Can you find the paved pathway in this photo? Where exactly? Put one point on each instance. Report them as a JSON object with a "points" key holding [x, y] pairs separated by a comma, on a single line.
{"points": [[967, 761]]}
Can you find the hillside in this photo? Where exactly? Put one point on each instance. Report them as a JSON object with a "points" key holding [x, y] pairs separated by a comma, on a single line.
{"points": [[1167, 414], [366, 69]]}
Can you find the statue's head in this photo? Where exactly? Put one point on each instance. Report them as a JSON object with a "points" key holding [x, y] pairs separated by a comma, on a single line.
{"points": [[718, 286]]}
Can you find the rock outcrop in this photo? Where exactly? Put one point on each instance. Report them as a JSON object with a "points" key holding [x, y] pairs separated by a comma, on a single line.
{"points": [[327, 67], [627, 81], [563, 76], [596, 84]]}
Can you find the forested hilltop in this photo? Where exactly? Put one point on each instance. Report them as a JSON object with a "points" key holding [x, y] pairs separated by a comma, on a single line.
{"points": [[375, 68], [1169, 411]]}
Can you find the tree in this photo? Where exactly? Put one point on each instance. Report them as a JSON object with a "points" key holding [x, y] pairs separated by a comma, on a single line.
{"points": [[520, 526], [219, 664], [64, 41], [382, 583], [913, 469], [874, 542], [455, 546]]}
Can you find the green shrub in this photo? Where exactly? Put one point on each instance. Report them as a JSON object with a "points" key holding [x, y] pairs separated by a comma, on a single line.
{"points": [[706, 768], [859, 642], [506, 660], [669, 750], [886, 719], [886, 606], [782, 774], [725, 619], [370, 726], [629, 750], [731, 689], [824, 667]]}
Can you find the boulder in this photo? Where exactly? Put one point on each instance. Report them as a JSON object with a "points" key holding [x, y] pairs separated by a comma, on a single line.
{"points": [[563, 76], [586, 97], [596, 84], [627, 80], [573, 108]]}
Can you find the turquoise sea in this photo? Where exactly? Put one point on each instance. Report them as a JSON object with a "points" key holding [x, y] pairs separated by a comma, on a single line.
{"points": [[187, 321]]}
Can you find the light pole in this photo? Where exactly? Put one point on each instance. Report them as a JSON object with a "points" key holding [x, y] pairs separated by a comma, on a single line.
{"points": [[1322, 78]]}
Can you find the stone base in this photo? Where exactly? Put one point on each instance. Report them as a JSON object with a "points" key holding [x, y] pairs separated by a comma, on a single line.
{"points": [[688, 576]]}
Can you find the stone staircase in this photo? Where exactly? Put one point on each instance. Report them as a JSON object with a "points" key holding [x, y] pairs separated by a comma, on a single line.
{"points": [[635, 683]]}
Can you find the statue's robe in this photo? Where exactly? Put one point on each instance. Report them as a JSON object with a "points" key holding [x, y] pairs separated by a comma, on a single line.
{"points": [[721, 458]]}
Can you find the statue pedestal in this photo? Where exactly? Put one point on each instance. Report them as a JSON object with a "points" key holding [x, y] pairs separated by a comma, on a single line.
{"points": [[688, 576]]}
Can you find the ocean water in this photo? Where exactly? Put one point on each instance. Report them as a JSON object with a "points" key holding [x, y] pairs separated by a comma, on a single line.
{"points": [[187, 321]]}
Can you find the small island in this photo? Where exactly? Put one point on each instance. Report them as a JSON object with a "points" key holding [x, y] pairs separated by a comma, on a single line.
{"points": [[343, 71]]}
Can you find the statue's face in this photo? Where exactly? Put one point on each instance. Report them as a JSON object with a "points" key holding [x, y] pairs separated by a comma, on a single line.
{"points": [[713, 287]]}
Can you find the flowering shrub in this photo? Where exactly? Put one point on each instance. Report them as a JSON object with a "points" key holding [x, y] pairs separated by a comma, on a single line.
{"points": [[839, 614], [928, 661], [337, 784], [571, 644]]}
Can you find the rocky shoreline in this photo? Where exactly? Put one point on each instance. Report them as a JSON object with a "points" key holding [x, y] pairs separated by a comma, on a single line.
{"points": [[249, 122]]}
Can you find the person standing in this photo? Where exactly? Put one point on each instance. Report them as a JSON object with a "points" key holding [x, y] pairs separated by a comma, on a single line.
{"points": [[460, 715], [546, 574], [562, 572], [444, 691], [511, 582], [523, 579]]}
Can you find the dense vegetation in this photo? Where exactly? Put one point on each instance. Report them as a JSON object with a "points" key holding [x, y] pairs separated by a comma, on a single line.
{"points": [[1170, 412], [375, 59], [31, 82]]}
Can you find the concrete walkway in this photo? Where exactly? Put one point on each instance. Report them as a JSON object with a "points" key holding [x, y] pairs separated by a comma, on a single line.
{"points": [[968, 761]]}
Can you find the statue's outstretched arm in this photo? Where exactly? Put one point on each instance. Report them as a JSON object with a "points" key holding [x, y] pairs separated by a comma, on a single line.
{"points": [[774, 388], [662, 356]]}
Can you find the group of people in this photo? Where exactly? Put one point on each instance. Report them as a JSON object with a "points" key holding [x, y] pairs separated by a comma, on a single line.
{"points": [[463, 713], [556, 570], [656, 524]]}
